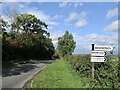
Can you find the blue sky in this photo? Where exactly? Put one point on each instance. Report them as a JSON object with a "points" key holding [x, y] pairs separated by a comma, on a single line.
{"points": [[89, 22]]}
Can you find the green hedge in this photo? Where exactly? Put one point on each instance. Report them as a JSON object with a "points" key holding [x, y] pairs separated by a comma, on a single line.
{"points": [[27, 47], [106, 74]]}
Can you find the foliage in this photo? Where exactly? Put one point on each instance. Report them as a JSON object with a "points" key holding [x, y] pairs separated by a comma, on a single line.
{"points": [[56, 55], [6, 47], [66, 44], [7, 50], [27, 39], [37, 46], [3, 26], [29, 24], [106, 74]]}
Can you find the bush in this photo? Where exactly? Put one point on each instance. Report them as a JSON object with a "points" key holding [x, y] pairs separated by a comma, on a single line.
{"points": [[7, 50], [27, 47], [106, 74]]}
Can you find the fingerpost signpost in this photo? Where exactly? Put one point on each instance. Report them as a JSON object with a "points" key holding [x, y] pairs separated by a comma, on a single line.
{"points": [[98, 54]]}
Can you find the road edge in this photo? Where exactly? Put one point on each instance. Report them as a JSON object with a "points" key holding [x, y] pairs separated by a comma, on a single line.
{"points": [[30, 81]]}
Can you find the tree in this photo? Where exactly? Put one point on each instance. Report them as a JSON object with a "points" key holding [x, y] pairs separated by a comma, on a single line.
{"points": [[3, 26], [29, 24], [5, 44], [66, 44], [30, 39]]}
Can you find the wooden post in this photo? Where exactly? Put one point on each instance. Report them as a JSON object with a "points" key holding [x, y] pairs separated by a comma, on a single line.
{"points": [[93, 70]]}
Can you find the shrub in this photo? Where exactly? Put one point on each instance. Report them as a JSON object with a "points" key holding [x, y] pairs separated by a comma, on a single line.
{"points": [[27, 47], [106, 74]]}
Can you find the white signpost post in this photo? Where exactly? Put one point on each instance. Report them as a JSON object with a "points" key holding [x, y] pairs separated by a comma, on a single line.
{"points": [[98, 55]]}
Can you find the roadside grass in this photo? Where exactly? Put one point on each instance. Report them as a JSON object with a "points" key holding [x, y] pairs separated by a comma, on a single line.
{"points": [[59, 75]]}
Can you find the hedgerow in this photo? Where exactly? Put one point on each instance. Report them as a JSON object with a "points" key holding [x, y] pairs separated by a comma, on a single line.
{"points": [[106, 73]]}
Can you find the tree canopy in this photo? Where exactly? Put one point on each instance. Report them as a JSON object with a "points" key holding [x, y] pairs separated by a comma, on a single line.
{"points": [[29, 24], [3, 26], [28, 39], [66, 44]]}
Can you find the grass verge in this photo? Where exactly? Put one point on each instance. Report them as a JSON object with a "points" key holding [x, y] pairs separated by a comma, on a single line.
{"points": [[59, 75]]}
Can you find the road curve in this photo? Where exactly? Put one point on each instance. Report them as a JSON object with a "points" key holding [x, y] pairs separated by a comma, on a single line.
{"points": [[16, 77]]}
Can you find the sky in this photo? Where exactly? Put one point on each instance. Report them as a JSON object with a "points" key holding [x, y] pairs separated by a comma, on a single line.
{"points": [[88, 22]]}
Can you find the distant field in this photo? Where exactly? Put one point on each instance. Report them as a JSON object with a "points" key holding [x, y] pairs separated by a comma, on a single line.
{"points": [[59, 75]]}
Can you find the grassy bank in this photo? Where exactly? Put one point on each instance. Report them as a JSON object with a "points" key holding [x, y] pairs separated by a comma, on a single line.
{"points": [[59, 75]]}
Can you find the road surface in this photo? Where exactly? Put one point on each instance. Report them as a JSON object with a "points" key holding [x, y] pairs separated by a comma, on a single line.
{"points": [[17, 76]]}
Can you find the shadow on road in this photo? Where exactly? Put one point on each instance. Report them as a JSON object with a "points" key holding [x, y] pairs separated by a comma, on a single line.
{"points": [[17, 70], [23, 67], [46, 61]]}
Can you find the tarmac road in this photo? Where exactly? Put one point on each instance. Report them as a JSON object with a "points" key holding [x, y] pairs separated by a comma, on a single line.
{"points": [[16, 77]]}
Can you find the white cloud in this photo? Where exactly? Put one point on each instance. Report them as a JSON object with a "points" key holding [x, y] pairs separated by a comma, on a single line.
{"points": [[76, 16], [54, 35], [72, 17], [103, 39], [21, 5], [51, 23], [24, 8], [83, 43], [57, 16], [81, 24], [39, 14], [10, 10], [68, 4], [80, 19], [81, 4], [63, 4], [83, 14], [78, 4], [42, 16], [112, 13], [112, 27]]}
